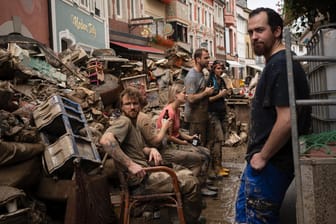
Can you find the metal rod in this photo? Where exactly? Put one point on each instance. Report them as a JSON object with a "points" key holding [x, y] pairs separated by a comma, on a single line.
{"points": [[314, 58], [316, 102], [295, 137]]}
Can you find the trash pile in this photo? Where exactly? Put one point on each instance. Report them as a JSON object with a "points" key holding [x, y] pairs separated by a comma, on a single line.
{"points": [[236, 132], [50, 102], [53, 105]]}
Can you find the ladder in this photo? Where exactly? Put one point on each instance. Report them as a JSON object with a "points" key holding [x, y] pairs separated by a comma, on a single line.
{"points": [[318, 57]]}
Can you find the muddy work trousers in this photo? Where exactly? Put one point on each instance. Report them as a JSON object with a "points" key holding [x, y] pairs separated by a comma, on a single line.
{"points": [[196, 159], [261, 194], [160, 182], [215, 140]]}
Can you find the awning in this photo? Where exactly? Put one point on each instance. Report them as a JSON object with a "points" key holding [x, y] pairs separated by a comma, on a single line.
{"points": [[257, 67], [234, 64], [134, 47]]}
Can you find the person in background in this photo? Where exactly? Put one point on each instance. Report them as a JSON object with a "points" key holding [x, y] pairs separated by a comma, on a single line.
{"points": [[217, 118], [247, 80], [253, 84], [270, 169], [124, 142], [196, 106]]}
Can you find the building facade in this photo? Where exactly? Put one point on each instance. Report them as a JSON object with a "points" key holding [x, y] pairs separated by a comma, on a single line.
{"points": [[80, 22], [135, 28], [201, 29], [30, 18], [219, 29], [230, 19], [58, 24], [129, 29], [170, 24], [244, 48]]}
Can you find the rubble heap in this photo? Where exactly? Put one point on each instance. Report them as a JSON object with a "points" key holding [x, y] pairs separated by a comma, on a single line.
{"points": [[31, 75]]}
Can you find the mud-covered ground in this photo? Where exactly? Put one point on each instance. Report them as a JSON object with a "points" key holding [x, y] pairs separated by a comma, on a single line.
{"points": [[220, 209]]}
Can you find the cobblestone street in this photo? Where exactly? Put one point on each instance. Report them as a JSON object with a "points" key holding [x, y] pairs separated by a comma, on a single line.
{"points": [[220, 209]]}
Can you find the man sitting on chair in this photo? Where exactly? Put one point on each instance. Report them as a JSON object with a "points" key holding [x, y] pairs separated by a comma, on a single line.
{"points": [[123, 141]]}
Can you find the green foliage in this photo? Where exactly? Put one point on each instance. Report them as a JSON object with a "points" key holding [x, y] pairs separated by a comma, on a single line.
{"points": [[305, 12]]}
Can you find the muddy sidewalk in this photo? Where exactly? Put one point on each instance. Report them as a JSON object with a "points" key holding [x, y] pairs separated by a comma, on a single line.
{"points": [[220, 209]]}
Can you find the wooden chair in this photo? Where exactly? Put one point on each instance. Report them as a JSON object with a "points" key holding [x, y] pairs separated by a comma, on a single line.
{"points": [[95, 71], [129, 200]]}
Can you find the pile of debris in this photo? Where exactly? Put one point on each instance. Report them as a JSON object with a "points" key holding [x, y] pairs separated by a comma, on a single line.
{"points": [[40, 90], [75, 88]]}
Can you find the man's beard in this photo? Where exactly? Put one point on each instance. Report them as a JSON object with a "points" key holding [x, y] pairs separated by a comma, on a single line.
{"points": [[259, 49], [132, 114], [204, 65]]}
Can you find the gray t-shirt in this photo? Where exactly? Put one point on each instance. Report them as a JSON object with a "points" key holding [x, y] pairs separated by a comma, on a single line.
{"points": [[198, 111]]}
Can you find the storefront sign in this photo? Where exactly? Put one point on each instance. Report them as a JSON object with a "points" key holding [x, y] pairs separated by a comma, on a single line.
{"points": [[81, 25], [77, 27]]}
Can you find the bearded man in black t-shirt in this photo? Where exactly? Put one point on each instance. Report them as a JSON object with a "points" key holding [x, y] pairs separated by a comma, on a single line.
{"points": [[269, 170]]}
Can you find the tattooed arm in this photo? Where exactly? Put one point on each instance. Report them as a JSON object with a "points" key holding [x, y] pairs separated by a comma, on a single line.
{"points": [[112, 147]]}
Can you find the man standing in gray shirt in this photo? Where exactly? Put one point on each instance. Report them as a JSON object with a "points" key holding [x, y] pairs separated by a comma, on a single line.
{"points": [[196, 107]]}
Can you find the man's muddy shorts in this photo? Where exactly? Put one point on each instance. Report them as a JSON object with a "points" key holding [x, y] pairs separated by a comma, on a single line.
{"points": [[261, 194]]}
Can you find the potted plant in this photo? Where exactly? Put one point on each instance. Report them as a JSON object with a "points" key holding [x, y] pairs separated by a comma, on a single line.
{"points": [[163, 41]]}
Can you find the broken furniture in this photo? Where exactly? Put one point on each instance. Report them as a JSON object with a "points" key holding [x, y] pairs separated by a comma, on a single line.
{"points": [[12, 208], [65, 132], [137, 81], [95, 70], [72, 163], [130, 200]]}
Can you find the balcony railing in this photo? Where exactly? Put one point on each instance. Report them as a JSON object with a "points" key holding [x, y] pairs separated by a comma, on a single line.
{"points": [[177, 11]]}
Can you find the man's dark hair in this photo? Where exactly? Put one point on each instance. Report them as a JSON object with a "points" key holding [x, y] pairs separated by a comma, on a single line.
{"points": [[217, 62], [198, 52], [132, 93], [273, 18]]}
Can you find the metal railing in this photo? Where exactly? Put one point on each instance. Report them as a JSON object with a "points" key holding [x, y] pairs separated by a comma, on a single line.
{"points": [[293, 102]]}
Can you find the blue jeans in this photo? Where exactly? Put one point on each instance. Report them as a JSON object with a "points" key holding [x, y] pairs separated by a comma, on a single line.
{"points": [[261, 194]]}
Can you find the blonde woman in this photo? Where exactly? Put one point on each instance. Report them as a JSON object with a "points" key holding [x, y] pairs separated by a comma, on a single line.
{"points": [[176, 97], [179, 149]]}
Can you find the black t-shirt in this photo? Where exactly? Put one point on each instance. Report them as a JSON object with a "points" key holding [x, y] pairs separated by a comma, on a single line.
{"points": [[218, 106], [272, 91]]}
